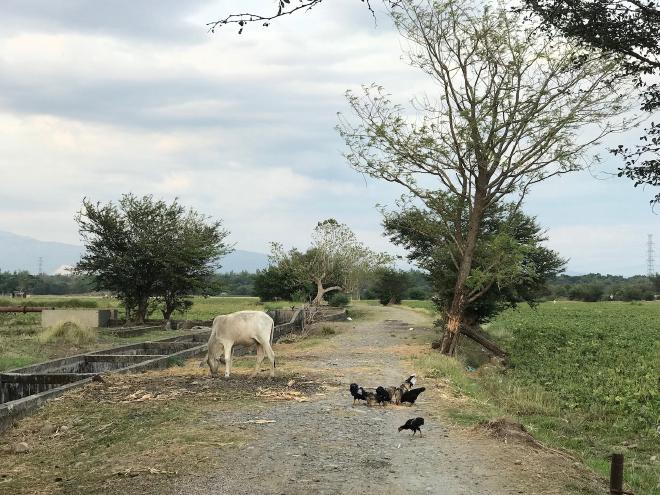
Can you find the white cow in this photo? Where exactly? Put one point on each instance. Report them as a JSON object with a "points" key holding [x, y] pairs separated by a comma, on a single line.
{"points": [[241, 328]]}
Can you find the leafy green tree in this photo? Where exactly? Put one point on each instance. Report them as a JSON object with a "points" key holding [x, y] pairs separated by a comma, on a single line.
{"points": [[336, 260], [142, 248], [510, 264], [586, 292], [507, 114], [655, 281], [277, 283], [391, 285]]}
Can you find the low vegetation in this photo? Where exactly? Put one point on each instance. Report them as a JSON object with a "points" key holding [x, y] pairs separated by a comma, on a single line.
{"points": [[70, 333], [581, 376], [170, 421]]}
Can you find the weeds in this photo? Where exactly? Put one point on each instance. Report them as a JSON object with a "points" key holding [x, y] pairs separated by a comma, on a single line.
{"points": [[68, 332]]}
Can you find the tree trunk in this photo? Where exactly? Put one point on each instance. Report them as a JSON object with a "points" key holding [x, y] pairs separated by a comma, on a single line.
{"points": [[455, 315], [141, 313], [320, 292], [476, 334]]}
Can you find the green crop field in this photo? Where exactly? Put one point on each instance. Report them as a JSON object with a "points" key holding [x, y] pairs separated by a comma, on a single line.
{"points": [[585, 376]]}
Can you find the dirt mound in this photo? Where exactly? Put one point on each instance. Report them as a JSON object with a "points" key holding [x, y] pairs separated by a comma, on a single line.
{"points": [[509, 431]]}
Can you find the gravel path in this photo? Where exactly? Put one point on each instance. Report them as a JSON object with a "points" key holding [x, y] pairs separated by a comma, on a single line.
{"points": [[327, 446]]}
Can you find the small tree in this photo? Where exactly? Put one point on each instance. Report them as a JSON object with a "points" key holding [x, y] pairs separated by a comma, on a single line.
{"points": [[277, 282], [390, 286], [510, 263], [506, 116], [141, 248], [335, 261]]}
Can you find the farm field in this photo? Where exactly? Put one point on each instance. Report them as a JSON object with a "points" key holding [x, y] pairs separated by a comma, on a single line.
{"points": [[19, 333], [582, 376]]}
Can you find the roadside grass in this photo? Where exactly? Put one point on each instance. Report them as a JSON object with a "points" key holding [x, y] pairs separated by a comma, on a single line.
{"points": [[364, 310], [207, 308], [426, 306], [582, 377]]}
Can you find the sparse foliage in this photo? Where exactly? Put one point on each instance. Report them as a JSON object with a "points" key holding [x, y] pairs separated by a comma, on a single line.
{"points": [[335, 261], [284, 8], [506, 116], [630, 31]]}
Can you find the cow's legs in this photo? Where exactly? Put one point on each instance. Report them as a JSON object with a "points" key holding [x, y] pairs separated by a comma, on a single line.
{"points": [[271, 357], [260, 357], [228, 359]]}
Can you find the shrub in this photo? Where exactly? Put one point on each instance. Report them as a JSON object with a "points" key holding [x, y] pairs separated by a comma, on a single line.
{"points": [[300, 296], [339, 300], [328, 331], [68, 332], [417, 294]]}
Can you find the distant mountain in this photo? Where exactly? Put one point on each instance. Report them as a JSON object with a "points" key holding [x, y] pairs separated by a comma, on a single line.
{"points": [[19, 252]]}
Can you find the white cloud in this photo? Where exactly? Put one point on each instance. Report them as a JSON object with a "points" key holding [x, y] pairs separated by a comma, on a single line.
{"points": [[94, 104]]}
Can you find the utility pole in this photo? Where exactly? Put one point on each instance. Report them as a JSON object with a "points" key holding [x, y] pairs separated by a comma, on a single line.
{"points": [[41, 266], [650, 259]]}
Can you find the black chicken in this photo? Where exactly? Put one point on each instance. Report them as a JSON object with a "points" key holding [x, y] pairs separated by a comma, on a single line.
{"points": [[411, 395], [413, 424], [357, 392], [382, 395]]}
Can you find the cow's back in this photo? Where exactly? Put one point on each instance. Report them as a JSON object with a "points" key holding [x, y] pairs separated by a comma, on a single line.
{"points": [[242, 327]]}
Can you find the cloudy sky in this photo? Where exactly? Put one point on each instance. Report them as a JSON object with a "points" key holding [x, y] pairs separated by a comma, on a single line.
{"points": [[102, 98]]}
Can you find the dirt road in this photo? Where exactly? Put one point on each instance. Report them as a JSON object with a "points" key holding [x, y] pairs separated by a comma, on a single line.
{"points": [[329, 446]]}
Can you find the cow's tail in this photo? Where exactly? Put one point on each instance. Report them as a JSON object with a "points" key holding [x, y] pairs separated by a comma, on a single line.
{"points": [[272, 333]]}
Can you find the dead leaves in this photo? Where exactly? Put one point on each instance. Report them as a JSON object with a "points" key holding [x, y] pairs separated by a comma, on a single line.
{"points": [[143, 396], [273, 395], [131, 472]]}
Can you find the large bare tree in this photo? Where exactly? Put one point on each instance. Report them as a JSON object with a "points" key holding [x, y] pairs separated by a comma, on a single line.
{"points": [[511, 109]]}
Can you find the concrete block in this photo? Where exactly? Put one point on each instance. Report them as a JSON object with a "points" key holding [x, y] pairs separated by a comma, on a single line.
{"points": [[93, 318]]}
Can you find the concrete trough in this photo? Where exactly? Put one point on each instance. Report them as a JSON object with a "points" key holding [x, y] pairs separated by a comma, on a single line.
{"points": [[14, 386], [24, 389], [150, 348]]}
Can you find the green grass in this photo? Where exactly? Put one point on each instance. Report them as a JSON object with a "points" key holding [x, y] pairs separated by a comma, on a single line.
{"points": [[207, 308], [427, 306], [582, 376]]}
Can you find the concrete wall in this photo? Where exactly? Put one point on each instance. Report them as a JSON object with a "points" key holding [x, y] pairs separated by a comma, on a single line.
{"points": [[93, 318]]}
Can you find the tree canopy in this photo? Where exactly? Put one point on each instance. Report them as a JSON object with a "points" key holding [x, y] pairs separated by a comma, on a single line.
{"points": [[510, 264], [336, 260], [144, 249], [630, 31]]}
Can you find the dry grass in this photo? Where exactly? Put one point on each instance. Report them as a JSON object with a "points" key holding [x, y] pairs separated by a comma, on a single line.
{"points": [[170, 421], [68, 332]]}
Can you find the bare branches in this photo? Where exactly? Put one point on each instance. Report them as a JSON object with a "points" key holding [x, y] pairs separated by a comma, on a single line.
{"points": [[284, 8]]}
